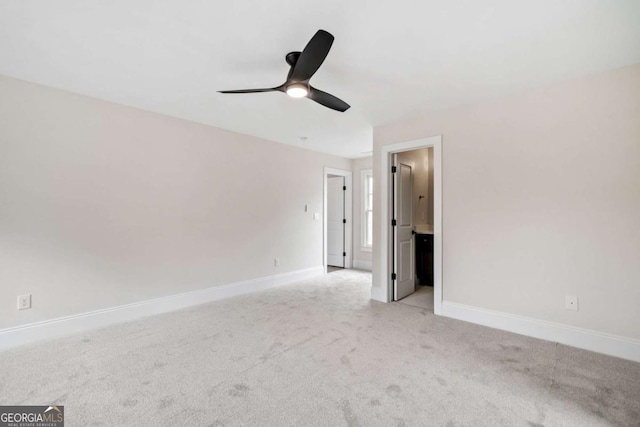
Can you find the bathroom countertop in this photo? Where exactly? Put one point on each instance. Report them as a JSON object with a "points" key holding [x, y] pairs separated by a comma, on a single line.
{"points": [[423, 229]]}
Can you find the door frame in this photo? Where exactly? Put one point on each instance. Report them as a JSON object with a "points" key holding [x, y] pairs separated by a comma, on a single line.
{"points": [[348, 214], [386, 243]]}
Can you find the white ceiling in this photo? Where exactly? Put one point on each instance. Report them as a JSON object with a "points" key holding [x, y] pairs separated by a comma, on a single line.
{"points": [[390, 59]]}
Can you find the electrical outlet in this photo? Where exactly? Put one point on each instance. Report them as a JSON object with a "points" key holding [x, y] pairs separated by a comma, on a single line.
{"points": [[24, 302], [276, 262], [571, 302]]}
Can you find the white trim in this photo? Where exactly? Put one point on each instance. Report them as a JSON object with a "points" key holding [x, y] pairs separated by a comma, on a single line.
{"points": [[362, 265], [378, 293], [33, 332], [612, 345], [385, 293], [348, 213]]}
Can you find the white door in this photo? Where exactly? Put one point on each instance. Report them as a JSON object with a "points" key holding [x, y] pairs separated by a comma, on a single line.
{"points": [[335, 221], [403, 260]]}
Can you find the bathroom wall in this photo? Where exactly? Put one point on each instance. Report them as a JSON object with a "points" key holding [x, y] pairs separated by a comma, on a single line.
{"points": [[422, 168]]}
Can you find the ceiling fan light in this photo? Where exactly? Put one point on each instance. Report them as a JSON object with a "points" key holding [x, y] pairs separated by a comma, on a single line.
{"points": [[297, 90]]}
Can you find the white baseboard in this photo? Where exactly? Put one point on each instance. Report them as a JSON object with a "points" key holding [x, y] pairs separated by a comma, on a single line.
{"points": [[599, 342], [379, 293], [362, 265], [33, 332]]}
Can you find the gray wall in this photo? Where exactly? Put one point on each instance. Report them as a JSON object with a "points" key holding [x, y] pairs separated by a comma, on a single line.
{"points": [[541, 199], [102, 205]]}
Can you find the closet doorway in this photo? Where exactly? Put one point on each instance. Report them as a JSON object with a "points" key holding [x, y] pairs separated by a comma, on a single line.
{"points": [[337, 218]]}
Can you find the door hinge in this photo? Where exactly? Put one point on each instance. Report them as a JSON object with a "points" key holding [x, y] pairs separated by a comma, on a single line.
{"points": [[394, 169], [344, 254], [393, 222], [393, 276], [344, 221], [344, 188]]}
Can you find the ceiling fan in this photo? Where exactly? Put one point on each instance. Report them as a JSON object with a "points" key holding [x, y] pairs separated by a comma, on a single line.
{"points": [[303, 66]]}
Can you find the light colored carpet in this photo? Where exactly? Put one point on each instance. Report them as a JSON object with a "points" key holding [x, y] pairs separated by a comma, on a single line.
{"points": [[422, 298], [318, 353]]}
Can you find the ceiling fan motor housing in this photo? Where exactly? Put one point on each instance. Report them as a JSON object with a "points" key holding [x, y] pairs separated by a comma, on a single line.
{"points": [[292, 58]]}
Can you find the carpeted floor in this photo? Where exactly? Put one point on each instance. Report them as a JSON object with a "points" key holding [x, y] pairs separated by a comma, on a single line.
{"points": [[318, 353]]}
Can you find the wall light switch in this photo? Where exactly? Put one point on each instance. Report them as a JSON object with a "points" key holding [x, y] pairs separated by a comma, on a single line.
{"points": [[316, 216], [571, 302], [24, 302]]}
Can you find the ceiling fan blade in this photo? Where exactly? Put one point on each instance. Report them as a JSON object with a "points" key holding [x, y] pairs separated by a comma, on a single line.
{"points": [[273, 89], [327, 100], [312, 56]]}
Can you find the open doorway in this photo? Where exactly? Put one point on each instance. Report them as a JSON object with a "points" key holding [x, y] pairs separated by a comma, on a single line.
{"points": [[398, 243], [336, 222], [337, 219], [412, 193]]}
